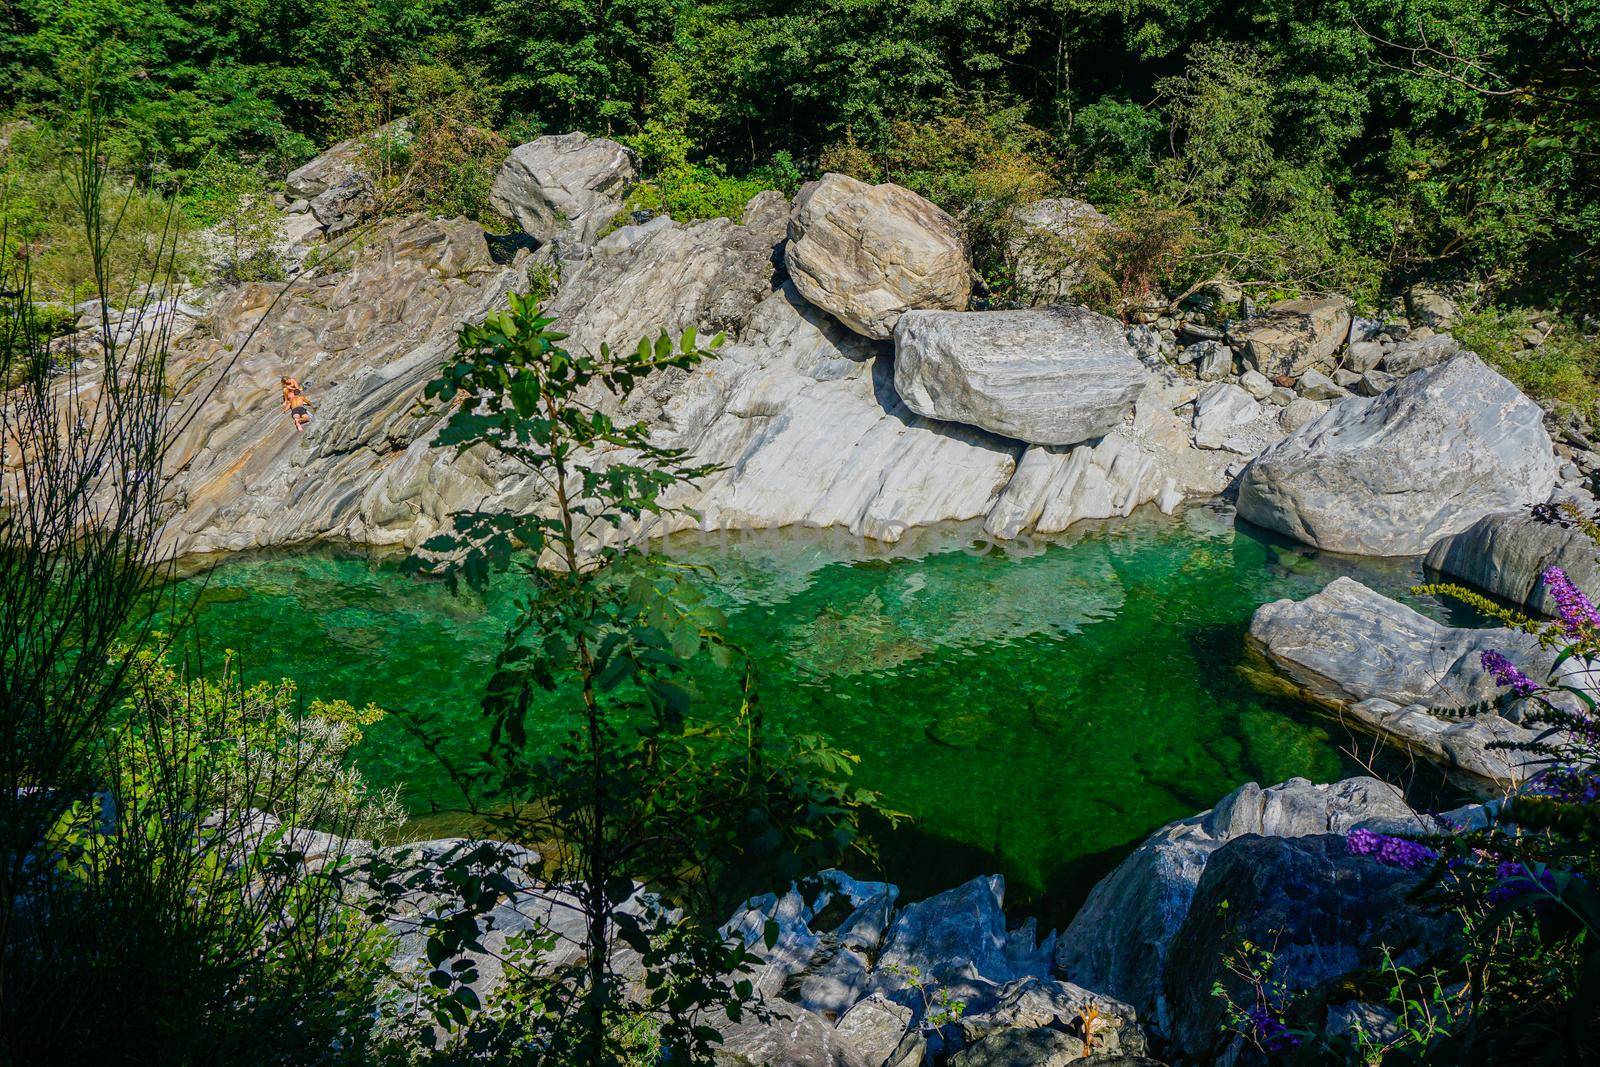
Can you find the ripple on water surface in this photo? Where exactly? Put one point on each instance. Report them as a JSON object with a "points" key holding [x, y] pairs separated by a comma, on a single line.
{"points": [[1037, 712]]}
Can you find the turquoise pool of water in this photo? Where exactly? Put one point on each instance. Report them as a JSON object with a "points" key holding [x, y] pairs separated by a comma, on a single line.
{"points": [[1038, 711]]}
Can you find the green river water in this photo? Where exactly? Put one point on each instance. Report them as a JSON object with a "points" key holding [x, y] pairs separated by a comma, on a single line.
{"points": [[1037, 712]]}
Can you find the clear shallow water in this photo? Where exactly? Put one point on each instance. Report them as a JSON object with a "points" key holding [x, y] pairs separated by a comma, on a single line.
{"points": [[1037, 714]]}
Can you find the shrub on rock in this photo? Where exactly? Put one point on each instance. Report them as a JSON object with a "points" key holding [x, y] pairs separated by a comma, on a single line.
{"points": [[1046, 246]]}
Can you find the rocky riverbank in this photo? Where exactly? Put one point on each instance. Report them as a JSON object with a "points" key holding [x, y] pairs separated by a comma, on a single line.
{"points": [[1131, 976], [861, 389]]}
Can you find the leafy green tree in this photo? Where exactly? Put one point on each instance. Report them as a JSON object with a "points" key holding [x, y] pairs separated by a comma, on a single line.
{"points": [[598, 748]]}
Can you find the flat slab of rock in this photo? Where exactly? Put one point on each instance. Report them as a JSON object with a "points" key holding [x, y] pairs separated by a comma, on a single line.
{"points": [[1051, 376], [1347, 644], [1292, 336], [867, 254], [1383, 666], [1507, 554], [566, 185], [1390, 475]]}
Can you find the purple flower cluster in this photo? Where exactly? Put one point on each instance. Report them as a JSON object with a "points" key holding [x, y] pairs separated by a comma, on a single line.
{"points": [[1515, 880], [1507, 673], [1394, 851], [1269, 1031], [1577, 613], [1571, 784]]}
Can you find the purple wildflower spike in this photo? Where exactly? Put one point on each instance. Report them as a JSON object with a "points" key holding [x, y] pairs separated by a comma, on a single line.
{"points": [[1577, 613], [1507, 674], [1515, 880], [1389, 850], [1270, 1032]]}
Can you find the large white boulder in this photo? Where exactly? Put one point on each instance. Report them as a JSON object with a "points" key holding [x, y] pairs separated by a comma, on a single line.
{"points": [[1051, 376], [567, 185], [1390, 475], [866, 254]]}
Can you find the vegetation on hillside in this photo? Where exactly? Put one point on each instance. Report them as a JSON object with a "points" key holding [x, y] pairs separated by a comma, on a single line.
{"points": [[1340, 145], [1355, 146]]}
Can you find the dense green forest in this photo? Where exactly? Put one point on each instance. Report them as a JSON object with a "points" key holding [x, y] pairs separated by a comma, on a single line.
{"points": [[1348, 145]]}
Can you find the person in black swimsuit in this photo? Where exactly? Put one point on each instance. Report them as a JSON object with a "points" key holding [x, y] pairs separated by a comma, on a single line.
{"points": [[295, 403]]}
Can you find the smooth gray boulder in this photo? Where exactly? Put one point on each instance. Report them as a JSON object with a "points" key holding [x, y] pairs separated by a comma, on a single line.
{"points": [[1047, 244], [1392, 474], [1256, 384], [337, 186], [1383, 666], [566, 185], [1363, 356], [1507, 554], [867, 254], [1314, 385], [1049, 376], [1324, 914], [1408, 357], [1117, 944], [1292, 336], [1213, 360], [1220, 412]]}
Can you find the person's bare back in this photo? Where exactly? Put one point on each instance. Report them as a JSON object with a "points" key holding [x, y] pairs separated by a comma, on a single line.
{"points": [[295, 403]]}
